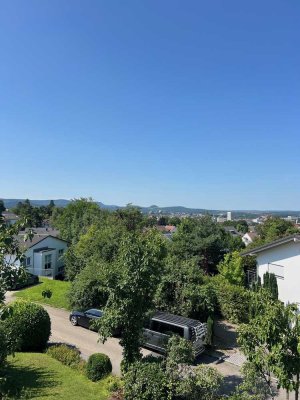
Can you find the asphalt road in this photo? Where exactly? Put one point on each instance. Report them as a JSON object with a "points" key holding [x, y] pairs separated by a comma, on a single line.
{"points": [[85, 340]]}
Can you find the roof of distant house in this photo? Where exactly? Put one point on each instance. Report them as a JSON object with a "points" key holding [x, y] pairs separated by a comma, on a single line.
{"points": [[275, 243], [252, 235], [9, 215], [37, 238]]}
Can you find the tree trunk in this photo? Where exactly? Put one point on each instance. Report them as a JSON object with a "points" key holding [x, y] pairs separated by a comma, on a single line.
{"points": [[287, 395]]}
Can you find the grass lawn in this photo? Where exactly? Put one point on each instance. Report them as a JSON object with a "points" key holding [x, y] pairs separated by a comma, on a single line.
{"points": [[59, 293], [38, 376]]}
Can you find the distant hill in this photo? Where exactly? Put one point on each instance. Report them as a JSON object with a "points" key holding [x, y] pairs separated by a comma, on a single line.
{"points": [[154, 209]]}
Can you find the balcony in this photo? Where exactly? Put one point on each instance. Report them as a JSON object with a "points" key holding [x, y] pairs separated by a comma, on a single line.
{"points": [[41, 272]]}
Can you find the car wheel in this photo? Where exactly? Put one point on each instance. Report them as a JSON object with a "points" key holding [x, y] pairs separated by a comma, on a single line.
{"points": [[74, 320]]}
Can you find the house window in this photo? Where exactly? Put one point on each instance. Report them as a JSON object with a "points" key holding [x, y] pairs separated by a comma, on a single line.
{"points": [[27, 261], [48, 261], [60, 252]]}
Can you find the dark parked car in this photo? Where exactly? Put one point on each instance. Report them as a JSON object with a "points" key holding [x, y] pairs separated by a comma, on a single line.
{"points": [[85, 318]]}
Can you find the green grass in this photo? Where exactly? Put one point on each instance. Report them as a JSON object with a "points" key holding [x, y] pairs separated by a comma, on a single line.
{"points": [[59, 291], [38, 376]]}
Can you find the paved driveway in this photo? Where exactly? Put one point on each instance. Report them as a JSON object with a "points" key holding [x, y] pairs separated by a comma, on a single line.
{"points": [[85, 340]]}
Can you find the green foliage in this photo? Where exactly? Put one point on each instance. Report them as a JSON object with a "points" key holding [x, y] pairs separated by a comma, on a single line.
{"points": [[185, 290], [65, 354], [76, 217], [273, 228], [231, 268], [130, 217], [89, 288], [47, 293], [30, 324], [254, 386], [179, 351], [233, 300], [270, 341], [2, 207], [10, 245], [101, 242], [202, 239], [210, 331], [240, 225], [202, 382], [34, 216], [132, 283], [98, 366], [4, 344], [145, 381], [270, 284]]}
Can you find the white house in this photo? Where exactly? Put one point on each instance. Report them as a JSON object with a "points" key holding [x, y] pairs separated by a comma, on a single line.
{"points": [[249, 237], [281, 257], [43, 254]]}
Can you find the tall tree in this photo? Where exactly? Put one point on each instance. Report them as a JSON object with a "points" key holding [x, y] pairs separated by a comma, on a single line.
{"points": [[231, 268], [202, 239], [271, 343], [75, 219], [132, 283], [2, 207]]}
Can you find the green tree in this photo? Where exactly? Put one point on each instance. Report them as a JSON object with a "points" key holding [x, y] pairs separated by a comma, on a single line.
{"points": [[133, 280], [131, 218], [185, 290], [10, 253], [2, 207], [231, 268], [271, 343], [274, 228], [270, 284], [75, 219], [203, 240]]}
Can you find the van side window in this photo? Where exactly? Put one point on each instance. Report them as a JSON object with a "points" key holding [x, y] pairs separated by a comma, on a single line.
{"points": [[166, 328]]}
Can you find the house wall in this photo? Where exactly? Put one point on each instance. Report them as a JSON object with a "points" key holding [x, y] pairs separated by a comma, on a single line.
{"points": [[287, 265], [37, 259]]}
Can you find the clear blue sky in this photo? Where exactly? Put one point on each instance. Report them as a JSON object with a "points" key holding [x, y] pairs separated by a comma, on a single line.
{"points": [[165, 102]]}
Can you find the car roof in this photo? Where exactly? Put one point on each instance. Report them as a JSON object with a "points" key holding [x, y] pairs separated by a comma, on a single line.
{"points": [[175, 319]]}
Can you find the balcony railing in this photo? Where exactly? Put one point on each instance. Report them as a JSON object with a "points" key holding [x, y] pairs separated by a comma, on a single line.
{"points": [[41, 272]]}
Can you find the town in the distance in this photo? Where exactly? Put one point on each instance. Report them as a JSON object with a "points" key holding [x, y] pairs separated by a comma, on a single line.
{"points": [[173, 302]]}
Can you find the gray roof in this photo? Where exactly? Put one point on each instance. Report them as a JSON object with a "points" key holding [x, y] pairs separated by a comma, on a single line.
{"points": [[275, 243], [36, 239]]}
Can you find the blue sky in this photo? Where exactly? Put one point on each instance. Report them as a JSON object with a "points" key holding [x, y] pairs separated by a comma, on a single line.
{"points": [[166, 102]]}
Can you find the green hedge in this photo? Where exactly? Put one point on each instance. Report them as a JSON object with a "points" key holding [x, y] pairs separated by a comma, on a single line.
{"points": [[233, 301], [65, 354]]}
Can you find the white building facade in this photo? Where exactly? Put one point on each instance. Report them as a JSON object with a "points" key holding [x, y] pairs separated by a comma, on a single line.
{"points": [[281, 257], [44, 256]]}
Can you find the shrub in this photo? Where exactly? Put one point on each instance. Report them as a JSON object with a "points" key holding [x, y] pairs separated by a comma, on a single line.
{"points": [[233, 301], [202, 382], [4, 345], [65, 354], [145, 381], [114, 384], [98, 366], [179, 351], [30, 324]]}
